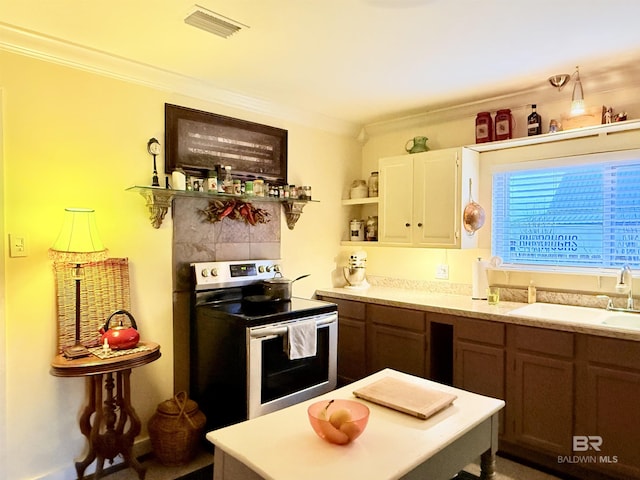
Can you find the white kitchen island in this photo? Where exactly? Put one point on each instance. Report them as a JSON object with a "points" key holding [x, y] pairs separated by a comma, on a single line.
{"points": [[283, 446]]}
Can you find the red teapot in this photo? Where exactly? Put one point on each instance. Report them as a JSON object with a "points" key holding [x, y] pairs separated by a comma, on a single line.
{"points": [[120, 337]]}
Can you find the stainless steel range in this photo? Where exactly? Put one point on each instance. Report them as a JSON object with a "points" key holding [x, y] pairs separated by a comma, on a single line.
{"points": [[240, 366]]}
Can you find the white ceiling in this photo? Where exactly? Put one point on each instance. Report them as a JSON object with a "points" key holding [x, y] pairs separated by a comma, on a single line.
{"points": [[358, 61]]}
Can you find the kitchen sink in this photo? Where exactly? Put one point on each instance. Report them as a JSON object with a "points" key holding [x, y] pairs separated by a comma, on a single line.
{"points": [[574, 314], [626, 320], [554, 311]]}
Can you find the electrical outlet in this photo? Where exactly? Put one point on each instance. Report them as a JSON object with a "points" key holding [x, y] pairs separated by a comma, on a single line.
{"points": [[17, 245], [442, 271]]}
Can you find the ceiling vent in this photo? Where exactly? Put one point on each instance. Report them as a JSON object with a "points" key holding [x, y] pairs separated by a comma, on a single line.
{"points": [[212, 22]]}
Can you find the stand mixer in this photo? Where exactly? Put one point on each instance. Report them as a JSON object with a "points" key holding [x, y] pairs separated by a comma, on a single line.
{"points": [[354, 272]]}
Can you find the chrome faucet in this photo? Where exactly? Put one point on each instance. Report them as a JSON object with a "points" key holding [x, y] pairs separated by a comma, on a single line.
{"points": [[625, 285]]}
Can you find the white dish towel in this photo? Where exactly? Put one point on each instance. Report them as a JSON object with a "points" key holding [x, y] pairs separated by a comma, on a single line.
{"points": [[301, 339]]}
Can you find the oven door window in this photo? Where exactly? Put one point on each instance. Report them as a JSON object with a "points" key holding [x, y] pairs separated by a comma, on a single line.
{"points": [[282, 377]]}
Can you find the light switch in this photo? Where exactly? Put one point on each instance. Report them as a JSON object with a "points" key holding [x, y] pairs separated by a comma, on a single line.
{"points": [[17, 245]]}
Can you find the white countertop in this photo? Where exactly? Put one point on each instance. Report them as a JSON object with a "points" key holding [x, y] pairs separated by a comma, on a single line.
{"points": [[283, 446], [464, 306]]}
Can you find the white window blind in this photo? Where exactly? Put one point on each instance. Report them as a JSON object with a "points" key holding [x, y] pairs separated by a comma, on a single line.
{"points": [[574, 215]]}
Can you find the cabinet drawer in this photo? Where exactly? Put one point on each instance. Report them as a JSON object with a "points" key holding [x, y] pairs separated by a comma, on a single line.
{"points": [[397, 317], [619, 353], [541, 340], [480, 331], [348, 308]]}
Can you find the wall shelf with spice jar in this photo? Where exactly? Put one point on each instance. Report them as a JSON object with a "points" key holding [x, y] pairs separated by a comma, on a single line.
{"points": [[159, 201], [362, 193], [367, 214], [364, 206]]}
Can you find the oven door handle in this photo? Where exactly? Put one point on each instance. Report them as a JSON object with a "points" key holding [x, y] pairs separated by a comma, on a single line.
{"points": [[277, 331]]}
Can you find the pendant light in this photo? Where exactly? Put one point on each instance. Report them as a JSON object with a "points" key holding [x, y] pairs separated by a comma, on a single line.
{"points": [[577, 99]]}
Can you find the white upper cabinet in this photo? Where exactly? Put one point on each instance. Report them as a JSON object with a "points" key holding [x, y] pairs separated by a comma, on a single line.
{"points": [[423, 195], [395, 204]]}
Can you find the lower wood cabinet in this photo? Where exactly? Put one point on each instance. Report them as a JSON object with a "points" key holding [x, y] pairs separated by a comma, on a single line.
{"points": [[479, 369], [396, 339], [479, 359], [540, 388], [608, 404], [351, 340]]}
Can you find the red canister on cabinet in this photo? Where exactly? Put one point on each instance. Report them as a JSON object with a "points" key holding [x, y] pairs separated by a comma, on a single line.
{"points": [[484, 127], [504, 124]]}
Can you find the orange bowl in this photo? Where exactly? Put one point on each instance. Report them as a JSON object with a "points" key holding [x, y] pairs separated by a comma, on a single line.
{"points": [[338, 421]]}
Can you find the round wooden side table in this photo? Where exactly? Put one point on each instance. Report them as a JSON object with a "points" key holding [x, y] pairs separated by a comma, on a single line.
{"points": [[108, 420]]}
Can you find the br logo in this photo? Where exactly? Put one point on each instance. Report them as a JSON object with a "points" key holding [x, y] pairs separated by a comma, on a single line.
{"points": [[584, 443]]}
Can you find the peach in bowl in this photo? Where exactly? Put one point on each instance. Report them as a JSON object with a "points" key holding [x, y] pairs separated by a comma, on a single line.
{"points": [[338, 421]]}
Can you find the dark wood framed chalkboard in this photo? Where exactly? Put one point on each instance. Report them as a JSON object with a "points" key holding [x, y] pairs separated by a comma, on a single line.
{"points": [[198, 141]]}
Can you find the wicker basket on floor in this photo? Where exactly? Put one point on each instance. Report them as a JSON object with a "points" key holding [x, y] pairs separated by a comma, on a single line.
{"points": [[175, 430]]}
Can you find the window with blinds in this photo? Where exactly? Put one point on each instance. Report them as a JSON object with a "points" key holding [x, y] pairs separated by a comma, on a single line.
{"points": [[585, 215]]}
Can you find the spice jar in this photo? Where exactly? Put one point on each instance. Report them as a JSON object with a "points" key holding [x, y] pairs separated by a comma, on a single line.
{"points": [[484, 127], [356, 230], [358, 189], [504, 124], [258, 187], [227, 181], [212, 182], [373, 184], [371, 232]]}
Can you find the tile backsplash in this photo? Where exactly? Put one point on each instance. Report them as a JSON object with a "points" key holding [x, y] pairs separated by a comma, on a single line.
{"points": [[197, 240], [507, 294]]}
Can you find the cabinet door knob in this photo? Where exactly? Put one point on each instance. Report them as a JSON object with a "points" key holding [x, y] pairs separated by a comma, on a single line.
{"points": [[407, 224], [420, 225]]}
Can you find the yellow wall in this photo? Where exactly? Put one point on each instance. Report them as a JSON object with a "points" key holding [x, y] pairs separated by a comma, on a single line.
{"points": [[73, 138], [3, 362]]}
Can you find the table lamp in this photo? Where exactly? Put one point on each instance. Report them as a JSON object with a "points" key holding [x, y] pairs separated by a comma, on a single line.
{"points": [[78, 243]]}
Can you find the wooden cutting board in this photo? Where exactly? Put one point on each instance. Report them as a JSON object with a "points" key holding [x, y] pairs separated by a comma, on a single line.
{"points": [[416, 400]]}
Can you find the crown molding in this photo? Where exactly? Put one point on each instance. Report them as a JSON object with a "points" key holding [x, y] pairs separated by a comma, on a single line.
{"points": [[54, 50], [49, 49]]}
